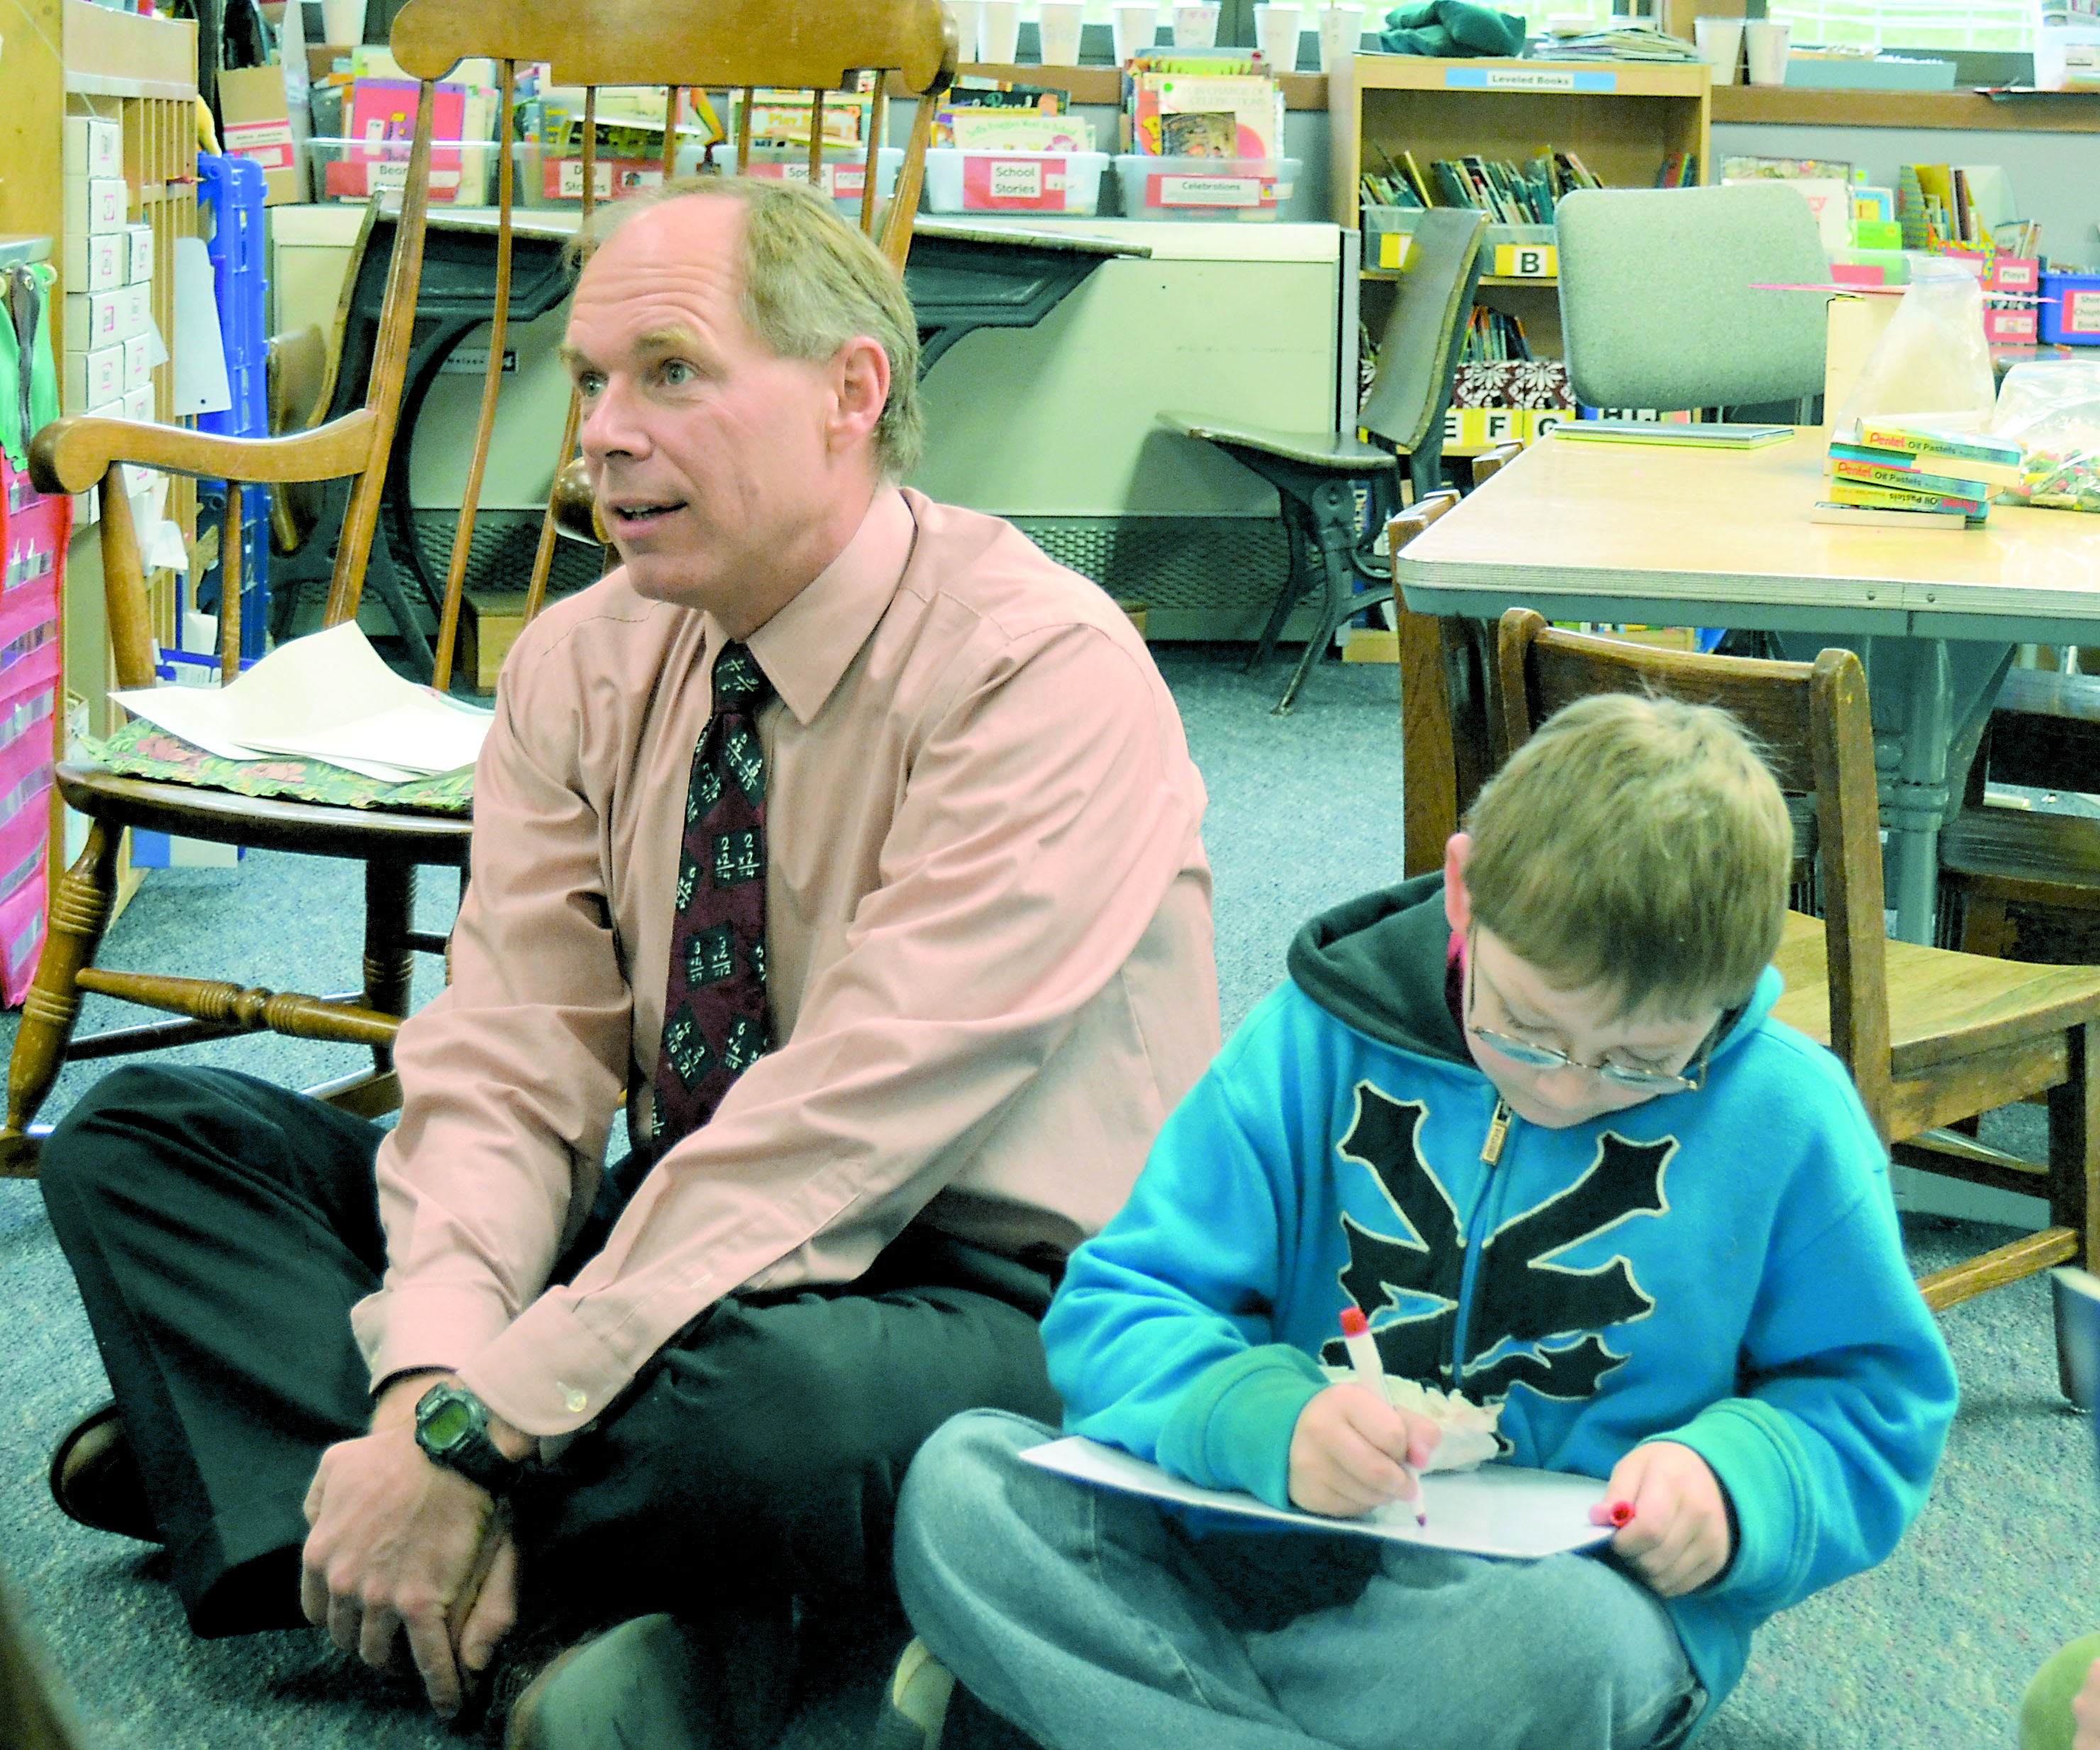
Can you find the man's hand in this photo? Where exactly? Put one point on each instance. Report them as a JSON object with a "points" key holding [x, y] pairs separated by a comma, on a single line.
{"points": [[1677, 1539], [1347, 1451], [398, 1545]]}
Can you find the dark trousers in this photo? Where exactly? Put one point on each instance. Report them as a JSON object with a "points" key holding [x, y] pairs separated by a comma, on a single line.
{"points": [[221, 1229]]}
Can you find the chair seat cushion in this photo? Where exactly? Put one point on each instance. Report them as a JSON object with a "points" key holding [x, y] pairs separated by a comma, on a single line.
{"points": [[1942, 1006], [1341, 452], [140, 749]]}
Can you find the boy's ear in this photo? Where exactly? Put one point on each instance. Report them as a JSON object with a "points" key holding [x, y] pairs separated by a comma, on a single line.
{"points": [[1458, 903]]}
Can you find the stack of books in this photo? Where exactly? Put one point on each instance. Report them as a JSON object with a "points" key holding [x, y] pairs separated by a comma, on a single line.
{"points": [[1894, 476]]}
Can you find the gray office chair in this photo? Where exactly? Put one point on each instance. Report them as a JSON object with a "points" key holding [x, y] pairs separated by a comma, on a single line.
{"points": [[1655, 305], [1315, 472]]}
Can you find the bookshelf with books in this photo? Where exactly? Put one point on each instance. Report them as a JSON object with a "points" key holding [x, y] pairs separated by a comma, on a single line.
{"points": [[1618, 124]]}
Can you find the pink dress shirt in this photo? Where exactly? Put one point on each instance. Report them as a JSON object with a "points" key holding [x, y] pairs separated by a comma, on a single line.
{"points": [[989, 937]]}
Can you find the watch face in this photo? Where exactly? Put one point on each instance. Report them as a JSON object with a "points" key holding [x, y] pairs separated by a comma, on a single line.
{"points": [[450, 1422]]}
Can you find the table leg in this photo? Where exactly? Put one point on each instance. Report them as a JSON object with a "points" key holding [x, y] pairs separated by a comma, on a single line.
{"points": [[1927, 696]]}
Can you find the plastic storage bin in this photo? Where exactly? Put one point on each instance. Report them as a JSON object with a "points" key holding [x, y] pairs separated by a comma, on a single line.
{"points": [[1014, 182], [844, 174], [2070, 309], [1509, 252], [1205, 188]]}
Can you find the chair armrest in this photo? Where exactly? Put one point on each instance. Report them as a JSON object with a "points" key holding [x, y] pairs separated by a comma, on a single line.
{"points": [[71, 454]]}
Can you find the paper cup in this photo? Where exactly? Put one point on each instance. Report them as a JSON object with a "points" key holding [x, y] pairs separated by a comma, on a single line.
{"points": [[1275, 34], [1195, 26], [343, 21], [1059, 22], [1137, 25], [999, 31], [1765, 44], [963, 15], [1720, 45], [1341, 35]]}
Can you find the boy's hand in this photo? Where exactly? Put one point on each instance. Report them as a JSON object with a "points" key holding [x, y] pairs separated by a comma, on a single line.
{"points": [[1347, 1451], [1678, 1537]]}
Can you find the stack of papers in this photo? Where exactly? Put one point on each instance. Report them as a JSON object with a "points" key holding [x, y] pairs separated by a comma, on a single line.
{"points": [[325, 697]]}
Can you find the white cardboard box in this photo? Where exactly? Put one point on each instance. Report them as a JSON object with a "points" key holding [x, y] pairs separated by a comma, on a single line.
{"points": [[93, 148], [92, 319], [93, 378], [138, 363], [96, 204], [136, 268], [134, 310], [138, 404], [93, 263]]}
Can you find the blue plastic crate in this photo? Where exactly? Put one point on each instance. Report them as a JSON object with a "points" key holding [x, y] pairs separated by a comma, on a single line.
{"points": [[230, 192], [2070, 309]]}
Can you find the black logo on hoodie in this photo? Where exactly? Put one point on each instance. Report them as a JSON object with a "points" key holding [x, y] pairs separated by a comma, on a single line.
{"points": [[1534, 1320]]}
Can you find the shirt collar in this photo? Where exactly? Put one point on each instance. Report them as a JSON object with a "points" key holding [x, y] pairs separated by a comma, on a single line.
{"points": [[806, 648]]}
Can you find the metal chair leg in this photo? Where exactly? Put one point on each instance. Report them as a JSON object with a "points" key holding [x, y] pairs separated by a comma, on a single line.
{"points": [[1334, 512], [1295, 582]]}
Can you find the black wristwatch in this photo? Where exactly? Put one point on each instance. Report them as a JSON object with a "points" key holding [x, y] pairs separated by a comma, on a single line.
{"points": [[451, 1427]]}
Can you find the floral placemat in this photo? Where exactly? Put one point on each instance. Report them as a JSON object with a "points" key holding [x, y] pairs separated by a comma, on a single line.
{"points": [[141, 750]]}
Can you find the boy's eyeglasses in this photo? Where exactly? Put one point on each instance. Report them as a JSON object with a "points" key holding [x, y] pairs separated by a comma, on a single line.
{"points": [[1618, 1075]]}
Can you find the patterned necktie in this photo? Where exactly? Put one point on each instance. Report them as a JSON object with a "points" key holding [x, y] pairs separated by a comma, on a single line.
{"points": [[716, 1022]]}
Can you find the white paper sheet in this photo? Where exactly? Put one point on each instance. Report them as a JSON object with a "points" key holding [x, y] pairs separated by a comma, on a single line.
{"points": [[1498, 1510], [326, 696]]}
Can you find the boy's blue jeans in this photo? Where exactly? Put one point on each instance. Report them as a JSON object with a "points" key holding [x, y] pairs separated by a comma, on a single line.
{"points": [[1095, 1622]]}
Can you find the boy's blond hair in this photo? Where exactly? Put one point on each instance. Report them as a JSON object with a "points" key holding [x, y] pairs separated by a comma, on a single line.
{"points": [[811, 283], [1638, 844]]}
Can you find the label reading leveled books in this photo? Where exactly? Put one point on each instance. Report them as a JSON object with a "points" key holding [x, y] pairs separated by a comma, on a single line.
{"points": [[1027, 185]]}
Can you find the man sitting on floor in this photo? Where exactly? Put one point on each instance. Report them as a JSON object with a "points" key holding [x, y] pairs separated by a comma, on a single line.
{"points": [[854, 845]]}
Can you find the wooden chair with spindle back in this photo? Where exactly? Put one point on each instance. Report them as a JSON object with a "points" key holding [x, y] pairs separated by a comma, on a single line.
{"points": [[1929, 1036], [815, 44]]}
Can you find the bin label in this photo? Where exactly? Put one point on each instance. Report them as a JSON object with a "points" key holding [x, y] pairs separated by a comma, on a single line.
{"points": [[2081, 313], [1209, 191], [1032, 185], [1526, 261]]}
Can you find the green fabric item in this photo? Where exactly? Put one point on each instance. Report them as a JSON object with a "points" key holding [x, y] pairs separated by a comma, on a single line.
{"points": [[43, 376], [142, 750], [2045, 1720], [1451, 28]]}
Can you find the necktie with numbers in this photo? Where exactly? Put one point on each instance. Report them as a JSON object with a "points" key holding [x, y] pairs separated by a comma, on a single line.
{"points": [[716, 1021]]}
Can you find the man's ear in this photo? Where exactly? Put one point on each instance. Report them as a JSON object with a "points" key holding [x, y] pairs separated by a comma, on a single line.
{"points": [[1457, 902], [862, 383]]}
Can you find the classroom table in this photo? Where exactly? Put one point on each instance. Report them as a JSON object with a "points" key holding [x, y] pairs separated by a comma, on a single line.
{"points": [[1658, 534]]}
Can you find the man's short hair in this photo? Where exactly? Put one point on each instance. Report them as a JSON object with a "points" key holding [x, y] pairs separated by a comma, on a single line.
{"points": [[811, 283], [1639, 844]]}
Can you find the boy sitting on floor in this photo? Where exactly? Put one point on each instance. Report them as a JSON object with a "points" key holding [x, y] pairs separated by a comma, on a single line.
{"points": [[1534, 1118]]}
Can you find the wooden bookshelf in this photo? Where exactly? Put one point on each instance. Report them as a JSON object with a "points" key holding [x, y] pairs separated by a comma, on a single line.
{"points": [[1625, 120]]}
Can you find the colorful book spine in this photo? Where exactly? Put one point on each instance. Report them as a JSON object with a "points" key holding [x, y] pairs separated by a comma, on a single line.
{"points": [[1875, 472], [1898, 498]]}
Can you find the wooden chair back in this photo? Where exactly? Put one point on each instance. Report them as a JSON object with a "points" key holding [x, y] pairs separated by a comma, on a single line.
{"points": [[1810, 719], [816, 45]]}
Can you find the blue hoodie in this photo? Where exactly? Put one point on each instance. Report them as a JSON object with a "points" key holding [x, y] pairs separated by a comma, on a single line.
{"points": [[1720, 1268]]}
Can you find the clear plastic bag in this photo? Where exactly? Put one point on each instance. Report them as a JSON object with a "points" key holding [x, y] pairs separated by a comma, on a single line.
{"points": [[1932, 364], [2052, 406]]}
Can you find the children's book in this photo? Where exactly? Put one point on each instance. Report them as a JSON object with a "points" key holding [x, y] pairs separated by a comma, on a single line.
{"points": [[1718, 436], [1496, 1509]]}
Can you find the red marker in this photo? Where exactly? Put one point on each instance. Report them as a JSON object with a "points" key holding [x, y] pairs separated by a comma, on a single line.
{"points": [[1622, 1514], [1364, 1360]]}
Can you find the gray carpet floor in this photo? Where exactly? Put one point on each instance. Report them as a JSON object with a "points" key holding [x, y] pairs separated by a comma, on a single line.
{"points": [[1931, 1650]]}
